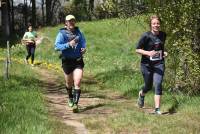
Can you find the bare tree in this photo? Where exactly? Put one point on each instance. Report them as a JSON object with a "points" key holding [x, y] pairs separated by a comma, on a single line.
{"points": [[52, 7], [43, 17], [12, 15], [5, 19], [33, 13], [25, 12], [48, 12], [91, 8]]}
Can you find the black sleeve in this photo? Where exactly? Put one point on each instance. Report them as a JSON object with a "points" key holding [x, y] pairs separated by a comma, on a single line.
{"points": [[142, 41], [163, 40]]}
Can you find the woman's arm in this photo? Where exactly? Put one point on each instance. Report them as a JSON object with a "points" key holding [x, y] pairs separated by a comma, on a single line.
{"points": [[146, 53]]}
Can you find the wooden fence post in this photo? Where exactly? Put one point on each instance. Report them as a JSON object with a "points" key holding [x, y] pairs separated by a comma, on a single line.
{"points": [[7, 62], [8, 52]]}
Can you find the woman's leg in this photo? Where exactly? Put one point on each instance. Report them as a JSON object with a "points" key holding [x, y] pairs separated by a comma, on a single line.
{"points": [[157, 81], [32, 51], [28, 48], [148, 80], [147, 73]]}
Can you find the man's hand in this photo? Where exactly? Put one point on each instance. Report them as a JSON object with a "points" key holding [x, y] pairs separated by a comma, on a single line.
{"points": [[83, 50], [72, 43]]}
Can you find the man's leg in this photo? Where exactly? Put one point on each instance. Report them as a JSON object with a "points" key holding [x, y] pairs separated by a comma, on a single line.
{"points": [[77, 76], [69, 84]]}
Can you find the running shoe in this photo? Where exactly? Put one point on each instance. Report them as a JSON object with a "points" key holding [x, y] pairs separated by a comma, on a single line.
{"points": [[70, 103], [157, 111], [140, 100], [75, 108], [26, 61]]}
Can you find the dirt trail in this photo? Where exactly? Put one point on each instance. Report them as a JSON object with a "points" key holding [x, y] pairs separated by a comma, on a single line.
{"points": [[57, 97], [89, 106]]}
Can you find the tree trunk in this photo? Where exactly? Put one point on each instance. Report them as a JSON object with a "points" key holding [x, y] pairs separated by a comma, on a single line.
{"points": [[12, 17], [91, 9], [43, 17], [25, 13], [5, 19], [33, 13], [48, 12]]}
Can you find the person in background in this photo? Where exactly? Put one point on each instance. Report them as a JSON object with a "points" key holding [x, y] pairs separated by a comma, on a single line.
{"points": [[71, 42], [151, 47], [29, 39]]}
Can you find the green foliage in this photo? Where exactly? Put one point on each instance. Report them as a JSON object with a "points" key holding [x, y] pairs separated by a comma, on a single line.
{"points": [[112, 65], [104, 9], [181, 21], [22, 104], [107, 9], [122, 9], [77, 8]]}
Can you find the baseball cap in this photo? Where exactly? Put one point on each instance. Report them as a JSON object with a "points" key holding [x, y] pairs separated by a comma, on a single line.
{"points": [[70, 17]]}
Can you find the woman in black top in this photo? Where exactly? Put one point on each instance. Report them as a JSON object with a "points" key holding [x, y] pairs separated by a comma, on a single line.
{"points": [[151, 47]]}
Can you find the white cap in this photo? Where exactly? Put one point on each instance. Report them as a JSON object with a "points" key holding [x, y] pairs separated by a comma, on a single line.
{"points": [[70, 17]]}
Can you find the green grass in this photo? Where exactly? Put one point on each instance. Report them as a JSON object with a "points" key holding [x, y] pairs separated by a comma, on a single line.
{"points": [[111, 65], [112, 62], [110, 56], [22, 104]]}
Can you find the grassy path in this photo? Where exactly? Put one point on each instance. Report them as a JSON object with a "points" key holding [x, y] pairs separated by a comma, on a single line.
{"points": [[110, 86], [56, 98], [91, 104]]}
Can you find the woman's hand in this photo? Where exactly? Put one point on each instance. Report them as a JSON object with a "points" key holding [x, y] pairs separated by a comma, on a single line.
{"points": [[165, 54], [152, 53], [27, 41], [147, 53], [30, 41]]}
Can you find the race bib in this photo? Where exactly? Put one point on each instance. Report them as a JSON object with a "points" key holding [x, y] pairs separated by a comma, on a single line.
{"points": [[157, 57]]}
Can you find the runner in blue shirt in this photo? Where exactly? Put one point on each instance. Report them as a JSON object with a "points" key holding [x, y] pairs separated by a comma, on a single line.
{"points": [[71, 42]]}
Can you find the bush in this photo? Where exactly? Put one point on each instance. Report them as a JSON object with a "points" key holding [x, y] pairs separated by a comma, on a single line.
{"points": [[107, 9], [181, 21]]}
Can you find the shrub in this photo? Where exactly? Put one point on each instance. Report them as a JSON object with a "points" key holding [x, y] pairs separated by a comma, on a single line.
{"points": [[181, 21]]}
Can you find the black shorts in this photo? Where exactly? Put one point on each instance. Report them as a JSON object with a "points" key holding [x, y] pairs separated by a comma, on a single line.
{"points": [[69, 65]]}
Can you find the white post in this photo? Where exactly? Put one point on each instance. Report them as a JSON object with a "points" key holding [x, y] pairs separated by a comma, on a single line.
{"points": [[8, 52], [6, 70], [7, 62]]}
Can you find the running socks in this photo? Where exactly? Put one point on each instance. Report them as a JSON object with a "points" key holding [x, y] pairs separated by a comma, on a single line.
{"points": [[69, 91], [76, 95]]}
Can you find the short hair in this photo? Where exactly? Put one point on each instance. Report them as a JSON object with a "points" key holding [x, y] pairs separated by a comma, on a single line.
{"points": [[29, 25], [154, 17]]}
